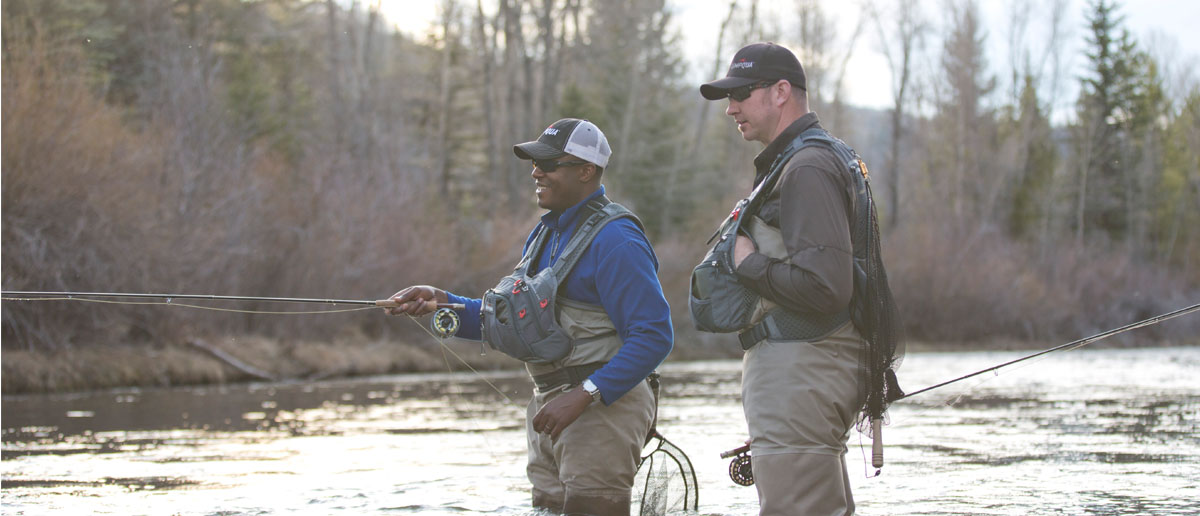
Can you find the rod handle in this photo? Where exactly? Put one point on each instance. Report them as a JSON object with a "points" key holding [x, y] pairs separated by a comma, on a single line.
{"points": [[877, 443], [390, 303], [735, 451]]}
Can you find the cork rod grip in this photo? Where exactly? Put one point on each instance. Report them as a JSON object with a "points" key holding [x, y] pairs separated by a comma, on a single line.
{"points": [[877, 443], [388, 303]]}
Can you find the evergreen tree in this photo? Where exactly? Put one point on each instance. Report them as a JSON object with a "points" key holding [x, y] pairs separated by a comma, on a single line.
{"points": [[1036, 158], [635, 71], [1108, 123], [1177, 212]]}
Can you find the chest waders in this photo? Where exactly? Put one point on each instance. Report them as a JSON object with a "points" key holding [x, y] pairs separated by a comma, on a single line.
{"points": [[561, 340]]}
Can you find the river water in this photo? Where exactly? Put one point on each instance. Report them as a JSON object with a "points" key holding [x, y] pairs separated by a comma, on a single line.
{"points": [[1088, 432]]}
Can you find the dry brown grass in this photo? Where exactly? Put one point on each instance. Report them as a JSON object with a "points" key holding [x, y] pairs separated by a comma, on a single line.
{"points": [[101, 367]]}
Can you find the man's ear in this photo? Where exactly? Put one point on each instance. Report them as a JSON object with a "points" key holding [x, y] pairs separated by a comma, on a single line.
{"points": [[782, 91], [587, 173]]}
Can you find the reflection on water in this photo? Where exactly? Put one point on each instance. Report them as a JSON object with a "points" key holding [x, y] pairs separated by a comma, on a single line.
{"points": [[1084, 432]]}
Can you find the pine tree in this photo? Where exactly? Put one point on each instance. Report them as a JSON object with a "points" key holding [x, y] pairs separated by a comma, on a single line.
{"points": [[1108, 123], [1037, 158]]}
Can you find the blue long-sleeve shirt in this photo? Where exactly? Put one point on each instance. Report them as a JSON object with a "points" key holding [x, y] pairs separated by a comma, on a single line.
{"points": [[619, 272]]}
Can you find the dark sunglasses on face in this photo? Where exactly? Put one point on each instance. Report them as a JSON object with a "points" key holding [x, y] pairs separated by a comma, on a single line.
{"points": [[549, 165], [742, 93]]}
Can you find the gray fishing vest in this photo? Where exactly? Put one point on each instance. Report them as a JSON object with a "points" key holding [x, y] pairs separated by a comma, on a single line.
{"points": [[523, 317], [719, 303]]}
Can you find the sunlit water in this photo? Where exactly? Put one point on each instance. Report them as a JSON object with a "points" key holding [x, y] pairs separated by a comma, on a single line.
{"points": [[1095, 432]]}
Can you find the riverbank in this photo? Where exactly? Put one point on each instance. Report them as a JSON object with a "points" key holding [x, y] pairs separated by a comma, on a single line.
{"points": [[242, 359], [230, 360]]}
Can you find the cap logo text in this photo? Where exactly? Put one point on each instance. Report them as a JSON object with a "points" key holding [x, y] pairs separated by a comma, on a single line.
{"points": [[741, 64], [550, 131]]}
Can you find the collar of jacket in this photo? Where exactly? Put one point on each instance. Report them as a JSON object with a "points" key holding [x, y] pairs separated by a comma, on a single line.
{"points": [[762, 162], [559, 221]]}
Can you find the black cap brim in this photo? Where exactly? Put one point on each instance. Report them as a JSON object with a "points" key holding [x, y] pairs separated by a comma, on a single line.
{"points": [[719, 88], [536, 150]]}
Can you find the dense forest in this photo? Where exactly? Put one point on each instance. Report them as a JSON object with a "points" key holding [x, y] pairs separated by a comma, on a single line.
{"points": [[307, 148]]}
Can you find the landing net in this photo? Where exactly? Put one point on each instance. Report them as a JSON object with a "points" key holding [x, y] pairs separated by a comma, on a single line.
{"points": [[665, 481]]}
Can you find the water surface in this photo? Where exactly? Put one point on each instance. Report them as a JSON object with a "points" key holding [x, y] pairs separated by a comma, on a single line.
{"points": [[1088, 432]]}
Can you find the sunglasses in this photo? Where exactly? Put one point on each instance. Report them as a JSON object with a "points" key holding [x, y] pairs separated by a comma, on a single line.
{"points": [[742, 93], [549, 165]]}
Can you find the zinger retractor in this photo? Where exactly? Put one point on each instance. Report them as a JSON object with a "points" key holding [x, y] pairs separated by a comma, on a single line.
{"points": [[740, 470], [444, 323]]}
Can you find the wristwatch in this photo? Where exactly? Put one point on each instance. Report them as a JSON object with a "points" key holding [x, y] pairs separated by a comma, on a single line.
{"points": [[591, 389]]}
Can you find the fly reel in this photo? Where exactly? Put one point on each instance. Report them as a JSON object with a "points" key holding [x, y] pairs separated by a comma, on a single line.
{"points": [[740, 470], [445, 322]]}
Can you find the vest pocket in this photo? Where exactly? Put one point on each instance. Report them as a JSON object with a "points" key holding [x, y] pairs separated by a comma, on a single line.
{"points": [[717, 301], [518, 321]]}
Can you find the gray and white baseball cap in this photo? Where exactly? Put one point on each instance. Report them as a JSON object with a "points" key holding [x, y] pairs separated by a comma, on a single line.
{"points": [[573, 136]]}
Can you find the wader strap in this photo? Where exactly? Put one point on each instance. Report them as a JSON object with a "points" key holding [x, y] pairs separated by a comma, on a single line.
{"points": [[570, 375], [781, 324], [755, 334]]}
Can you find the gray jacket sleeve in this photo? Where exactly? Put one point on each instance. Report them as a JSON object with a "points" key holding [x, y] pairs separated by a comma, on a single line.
{"points": [[814, 218]]}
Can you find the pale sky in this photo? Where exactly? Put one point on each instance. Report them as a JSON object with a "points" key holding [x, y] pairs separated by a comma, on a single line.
{"points": [[1166, 27]]}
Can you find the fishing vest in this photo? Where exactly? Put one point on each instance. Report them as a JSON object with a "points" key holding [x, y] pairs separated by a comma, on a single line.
{"points": [[524, 317], [719, 303]]}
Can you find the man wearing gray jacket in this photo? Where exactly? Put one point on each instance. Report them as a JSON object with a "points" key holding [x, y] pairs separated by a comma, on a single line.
{"points": [[800, 383]]}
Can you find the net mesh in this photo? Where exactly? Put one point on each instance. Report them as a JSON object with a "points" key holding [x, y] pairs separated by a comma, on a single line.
{"points": [[874, 313], [665, 481]]}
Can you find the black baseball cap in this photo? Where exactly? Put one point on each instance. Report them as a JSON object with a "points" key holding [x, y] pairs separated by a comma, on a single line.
{"points": [[579, 138], [753, 63]]}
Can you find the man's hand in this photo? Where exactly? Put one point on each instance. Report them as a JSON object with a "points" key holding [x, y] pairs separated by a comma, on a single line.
{"points": [[417, 300], [741, 249], [560, 412]]}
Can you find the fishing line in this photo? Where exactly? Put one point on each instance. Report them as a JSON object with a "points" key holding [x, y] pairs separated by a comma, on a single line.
{"points": [[73, 295], [169, 302], [442, 342], [485, 434]]}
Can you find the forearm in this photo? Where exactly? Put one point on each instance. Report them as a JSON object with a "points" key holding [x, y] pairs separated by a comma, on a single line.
{"points": [[814, 223], [822, 283]]}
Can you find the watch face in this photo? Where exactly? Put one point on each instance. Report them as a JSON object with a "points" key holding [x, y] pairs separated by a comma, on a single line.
{"points": [[590, 388]]}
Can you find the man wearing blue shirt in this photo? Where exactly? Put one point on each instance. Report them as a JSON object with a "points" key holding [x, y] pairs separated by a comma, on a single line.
{"points": [[592, 408]]}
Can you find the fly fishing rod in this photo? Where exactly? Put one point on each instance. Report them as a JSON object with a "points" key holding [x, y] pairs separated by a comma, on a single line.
{"points": [[1068, 346], [445, 319], [30, 296], [740, 470]]}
